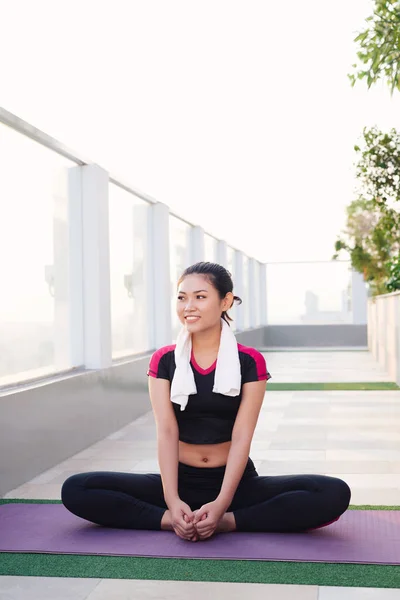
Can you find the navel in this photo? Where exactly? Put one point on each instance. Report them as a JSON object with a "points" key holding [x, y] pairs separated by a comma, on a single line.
{"points": [[205, 460]]}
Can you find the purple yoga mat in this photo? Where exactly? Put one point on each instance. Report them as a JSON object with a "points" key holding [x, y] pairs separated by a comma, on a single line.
{"points": [[366, 536]]}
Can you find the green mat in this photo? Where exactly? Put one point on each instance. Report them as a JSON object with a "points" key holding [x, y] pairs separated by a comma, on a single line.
{"points": [[236, 571], [351, 386]]}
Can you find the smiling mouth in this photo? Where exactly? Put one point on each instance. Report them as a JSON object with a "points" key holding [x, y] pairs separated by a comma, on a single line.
{"points": [[192, 319]]}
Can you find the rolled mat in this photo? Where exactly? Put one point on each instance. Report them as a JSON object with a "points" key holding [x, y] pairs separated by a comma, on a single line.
{"points": [[359, 536]]}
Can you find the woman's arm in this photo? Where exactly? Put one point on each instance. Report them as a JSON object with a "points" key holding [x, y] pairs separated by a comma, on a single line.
{"points": [[181, 514], [167, 437], [242, 435]]}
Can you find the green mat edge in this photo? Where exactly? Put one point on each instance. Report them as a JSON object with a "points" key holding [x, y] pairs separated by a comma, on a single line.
{"points": [[172, 569], [210, 570]]}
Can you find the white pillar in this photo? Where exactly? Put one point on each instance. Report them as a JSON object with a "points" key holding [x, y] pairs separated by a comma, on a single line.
{"points": [[252, 295], [159, 291], [65, 276], [96, 268], [359, 298], [196, 244], [263, 294], [222, 253], [141, 276], [397, 334], [239, 287]]}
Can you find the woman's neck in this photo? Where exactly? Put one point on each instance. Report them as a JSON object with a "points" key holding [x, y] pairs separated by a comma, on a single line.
{"points": [[208, 340]]}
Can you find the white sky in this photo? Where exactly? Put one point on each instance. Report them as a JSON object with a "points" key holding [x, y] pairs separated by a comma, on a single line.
{"points": [[238, 114]]}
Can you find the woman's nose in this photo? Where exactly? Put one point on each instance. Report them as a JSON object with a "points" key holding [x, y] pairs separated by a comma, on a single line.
{"points": [[189, 305]]}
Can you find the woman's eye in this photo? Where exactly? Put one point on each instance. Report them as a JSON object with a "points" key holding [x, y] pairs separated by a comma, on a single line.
{"points": [[200, 296]]}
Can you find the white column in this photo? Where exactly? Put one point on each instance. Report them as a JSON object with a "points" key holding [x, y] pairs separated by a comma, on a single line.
{"points": [[263, 294], [141, 275], [257, 294], [252, 297], [397, 334], [239, 289], [75, 268], [159, 291], [58, 274], [222, 253], [359, 298], [96, 268], [196, 244]]}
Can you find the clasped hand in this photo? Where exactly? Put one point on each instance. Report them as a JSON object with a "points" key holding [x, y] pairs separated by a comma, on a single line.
{"points": [[196, 525]]}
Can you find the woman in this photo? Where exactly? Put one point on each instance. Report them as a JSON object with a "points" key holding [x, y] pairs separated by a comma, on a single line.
{"points": [[206, 393]]}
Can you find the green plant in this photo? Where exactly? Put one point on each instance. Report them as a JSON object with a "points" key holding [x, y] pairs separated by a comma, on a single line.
{"points": [[379, 46], [372, 234], [393, 283]]}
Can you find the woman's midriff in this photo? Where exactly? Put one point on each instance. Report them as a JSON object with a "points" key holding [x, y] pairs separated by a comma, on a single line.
{"points": [[204, 455]]}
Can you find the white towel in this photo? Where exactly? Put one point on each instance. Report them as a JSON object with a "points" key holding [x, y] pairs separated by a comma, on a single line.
{"points": [[227, 379]]}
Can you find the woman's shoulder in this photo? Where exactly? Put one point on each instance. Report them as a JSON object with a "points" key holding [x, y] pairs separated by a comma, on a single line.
{"points": [[252, 352], [253, 363], [165, 351], [161, 362]]}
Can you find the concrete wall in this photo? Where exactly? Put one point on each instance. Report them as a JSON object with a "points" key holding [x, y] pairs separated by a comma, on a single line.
{"points": [[46, 423], [315, 336], [252, 337], [384, 332]]}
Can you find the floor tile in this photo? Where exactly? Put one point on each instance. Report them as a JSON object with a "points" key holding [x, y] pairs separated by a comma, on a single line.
{"points": [[196, 590], [347, 593], [367, 455], [293, 455], [278, 467], [373, 481], [147, 466], [46, 491], [46, 588], [376, 497]]}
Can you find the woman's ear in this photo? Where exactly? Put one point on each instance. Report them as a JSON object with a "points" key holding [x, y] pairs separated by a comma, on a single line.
{"points": [[228, 301]]}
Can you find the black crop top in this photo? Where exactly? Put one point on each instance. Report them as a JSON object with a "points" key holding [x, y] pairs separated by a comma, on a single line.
{"points": [[208, 417]]}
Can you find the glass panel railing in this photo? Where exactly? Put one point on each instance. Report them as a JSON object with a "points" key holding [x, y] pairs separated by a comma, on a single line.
{"points": [[128, 218], [309, 293], [230, 255], [246, 293], [210, 248], [34, 259], [179, 260]]}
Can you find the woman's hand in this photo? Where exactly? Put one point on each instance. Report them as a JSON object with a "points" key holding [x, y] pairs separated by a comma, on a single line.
{"points": [[207, 518], [182, 518]]}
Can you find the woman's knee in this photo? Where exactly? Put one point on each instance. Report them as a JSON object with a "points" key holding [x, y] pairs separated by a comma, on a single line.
{"points": [[338, 492], [72, 489]]}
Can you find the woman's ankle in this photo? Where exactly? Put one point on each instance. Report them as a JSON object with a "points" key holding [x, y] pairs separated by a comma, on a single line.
{"points": [[166, 524], [227, 523]]}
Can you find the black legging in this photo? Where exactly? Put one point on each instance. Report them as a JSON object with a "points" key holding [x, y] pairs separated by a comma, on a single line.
{"points": [[287, 503]]}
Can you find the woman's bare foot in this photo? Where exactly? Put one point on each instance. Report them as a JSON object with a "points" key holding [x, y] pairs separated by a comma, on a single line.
{"points": [[227, 523]]}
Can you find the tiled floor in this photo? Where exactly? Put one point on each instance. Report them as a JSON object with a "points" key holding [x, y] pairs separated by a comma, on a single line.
{"points": [[324, 367], [352, 435]]}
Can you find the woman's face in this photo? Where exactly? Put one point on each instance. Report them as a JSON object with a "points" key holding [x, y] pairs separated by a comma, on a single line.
{"points": [[199, 306]]}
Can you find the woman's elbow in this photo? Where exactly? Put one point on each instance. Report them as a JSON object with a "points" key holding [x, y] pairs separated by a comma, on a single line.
{"points": [[167, 431], [242, 437]]}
